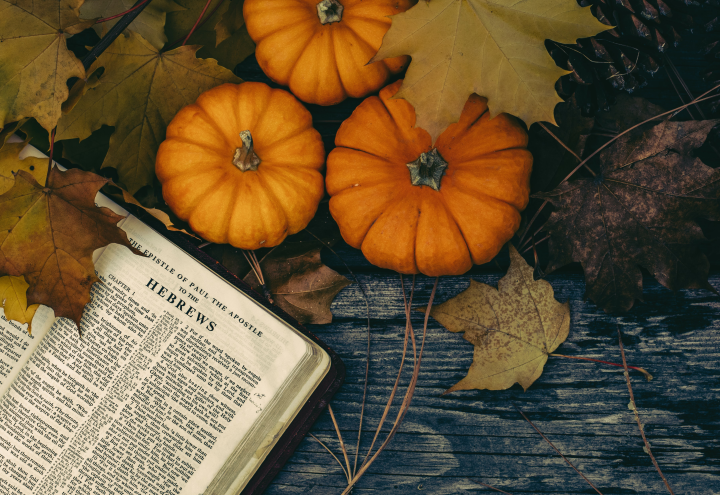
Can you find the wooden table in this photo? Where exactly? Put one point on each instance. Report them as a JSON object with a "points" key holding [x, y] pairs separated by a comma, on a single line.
{"points": [[448, 444]]}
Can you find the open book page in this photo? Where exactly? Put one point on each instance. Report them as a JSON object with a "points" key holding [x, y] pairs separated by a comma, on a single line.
{"points": [[173, 370], [16, 345]]}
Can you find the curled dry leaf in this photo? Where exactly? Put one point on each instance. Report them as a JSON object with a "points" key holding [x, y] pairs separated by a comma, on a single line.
{"points": [[35, 62], [13, 300], [158, 214], [639, 212], [48, 234], [139, 92], [513, 328], [495, 48]]}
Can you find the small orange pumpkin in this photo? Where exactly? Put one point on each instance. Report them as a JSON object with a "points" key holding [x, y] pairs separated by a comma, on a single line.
{"points": [[320, 49], [242, 165], [412, 207]]}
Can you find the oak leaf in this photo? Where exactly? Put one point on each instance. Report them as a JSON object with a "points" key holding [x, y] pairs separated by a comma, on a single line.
{"points": [[639, 212], [223, 35], [150, 23], [48, 235], [35, 62], [514, 328], [13, 300], [139, 92], [10, 164], [495, 48]]}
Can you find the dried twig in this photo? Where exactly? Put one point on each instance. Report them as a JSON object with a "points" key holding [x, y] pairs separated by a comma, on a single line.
{"points": [[342, 444], [331, 453], [556, 450], [492, 487], [637, 416], [567, 147], [647, 375]]}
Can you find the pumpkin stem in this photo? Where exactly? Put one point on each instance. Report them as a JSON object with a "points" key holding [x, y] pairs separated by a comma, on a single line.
{"points": [[245, 158], [329, 11], [428, 169]]}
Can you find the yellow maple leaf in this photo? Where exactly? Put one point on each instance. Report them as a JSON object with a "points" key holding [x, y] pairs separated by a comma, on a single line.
{"points": [[494, 48], [139, 92], [10, 163], [13, 300], [514, 328], [35, 62]]}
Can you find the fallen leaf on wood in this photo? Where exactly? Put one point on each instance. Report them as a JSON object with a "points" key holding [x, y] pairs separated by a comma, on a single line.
{"points": [[48, 235], [35, 62], [299, 282], [150, 23], [134, 95], [14, 300], [513, 328], [222, 36], [639, 212], [495, 48], [10, 164]]}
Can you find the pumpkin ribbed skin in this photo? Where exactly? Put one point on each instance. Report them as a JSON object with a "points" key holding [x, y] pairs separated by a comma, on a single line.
{"points": [[323, 63], [254, 208], [413, 229]]}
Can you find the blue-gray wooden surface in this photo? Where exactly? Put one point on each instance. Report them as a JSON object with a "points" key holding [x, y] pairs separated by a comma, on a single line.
{"points": [[448, 443]]}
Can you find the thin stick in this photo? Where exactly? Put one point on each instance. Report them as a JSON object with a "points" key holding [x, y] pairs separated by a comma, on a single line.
{"points": [[492, 487], [342, 444], [209, 16], [535, 243], [402, 363], [207, 4], [367, 356], [408, 395], [137, 6], [647, 375], [669, 63], [556, 450], [566, 147], [331, 453], [637, 416]]}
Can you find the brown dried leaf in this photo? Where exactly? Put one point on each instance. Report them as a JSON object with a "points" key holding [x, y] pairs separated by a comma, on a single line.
{"points": [[513, 328], [299, 282], [638, 213], [48, 234]]}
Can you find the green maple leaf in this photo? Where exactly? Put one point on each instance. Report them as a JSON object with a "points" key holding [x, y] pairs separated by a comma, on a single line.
{"points": [[150, 23], [495, 48], [139, 93], [35, 62]]}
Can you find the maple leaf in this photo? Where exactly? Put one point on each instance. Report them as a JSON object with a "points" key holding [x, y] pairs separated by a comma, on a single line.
{"points": [[514, 328], [638, 213], [223, 35], [13, 300], [10, 164], [150, 23], [495, 48], [35, 62], [139, 92], [48, 235]]}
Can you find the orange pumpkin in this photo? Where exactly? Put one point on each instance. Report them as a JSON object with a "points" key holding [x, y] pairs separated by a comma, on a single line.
{"points": [[321, 49], [242, 165], [412, 207]]}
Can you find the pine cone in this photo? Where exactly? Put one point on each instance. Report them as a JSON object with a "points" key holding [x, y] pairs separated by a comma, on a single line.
{"points": [[621, 58]]}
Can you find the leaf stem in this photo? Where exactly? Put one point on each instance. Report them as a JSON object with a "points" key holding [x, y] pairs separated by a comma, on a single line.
{"points": [[136, 6], [647, 375], [637, 416], [50, 160], [170, 45]]}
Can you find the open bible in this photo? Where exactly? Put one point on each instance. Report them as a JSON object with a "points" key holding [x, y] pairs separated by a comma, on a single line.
{"points": [[184, 381]]}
